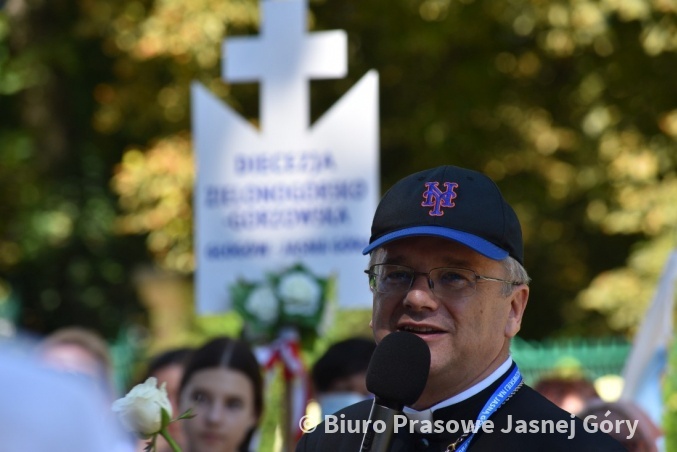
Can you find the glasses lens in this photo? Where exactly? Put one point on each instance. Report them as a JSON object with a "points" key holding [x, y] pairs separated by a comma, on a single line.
{"points": [[446, 282], [391, 278], [456, 282]]}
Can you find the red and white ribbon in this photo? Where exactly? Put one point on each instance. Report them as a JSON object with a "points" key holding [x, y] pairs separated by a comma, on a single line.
{"points": [[286, 350]]}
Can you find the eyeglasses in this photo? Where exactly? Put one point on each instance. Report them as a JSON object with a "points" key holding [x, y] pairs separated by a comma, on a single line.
{"points": [[443, 282]]}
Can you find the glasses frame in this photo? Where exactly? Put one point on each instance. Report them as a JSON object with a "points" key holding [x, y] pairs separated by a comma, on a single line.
{"points": [[370, 272]]}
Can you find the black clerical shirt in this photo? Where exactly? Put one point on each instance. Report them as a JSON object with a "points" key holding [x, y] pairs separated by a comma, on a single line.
{"points": [[527, 421]]}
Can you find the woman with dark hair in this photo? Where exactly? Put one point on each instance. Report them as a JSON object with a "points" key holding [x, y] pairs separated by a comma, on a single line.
{"points": [[222, 383]]}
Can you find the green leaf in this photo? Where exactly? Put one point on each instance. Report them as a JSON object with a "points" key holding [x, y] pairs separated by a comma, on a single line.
{"points": [[188, 414], [166, 419]]}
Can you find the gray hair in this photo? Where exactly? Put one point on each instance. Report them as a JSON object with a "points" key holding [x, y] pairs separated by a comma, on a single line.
{"points": [[514, 271]]}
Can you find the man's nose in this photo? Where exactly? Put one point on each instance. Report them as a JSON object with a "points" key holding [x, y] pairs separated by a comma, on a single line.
{"points": [[420, 295]]}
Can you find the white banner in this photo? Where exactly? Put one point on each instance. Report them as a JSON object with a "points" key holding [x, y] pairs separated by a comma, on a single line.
{"points": [[646, 365], [288, 193]]}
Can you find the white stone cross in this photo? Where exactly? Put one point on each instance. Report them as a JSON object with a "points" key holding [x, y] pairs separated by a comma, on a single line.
{"points": [[283, 58]]}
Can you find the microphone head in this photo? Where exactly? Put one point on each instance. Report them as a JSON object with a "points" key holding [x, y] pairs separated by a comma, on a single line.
{"points": [[398, 370]]}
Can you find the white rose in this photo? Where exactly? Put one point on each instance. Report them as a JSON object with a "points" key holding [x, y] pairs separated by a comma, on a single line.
{"points": [[262, 303], [140, 410], [300, 293]]}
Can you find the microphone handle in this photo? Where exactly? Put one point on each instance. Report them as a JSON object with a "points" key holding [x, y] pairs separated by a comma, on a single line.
{"points": [[379, 441]]}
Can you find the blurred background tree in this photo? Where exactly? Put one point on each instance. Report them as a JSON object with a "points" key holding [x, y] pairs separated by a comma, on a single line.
{"points": [[570, 106], [58, 254]]}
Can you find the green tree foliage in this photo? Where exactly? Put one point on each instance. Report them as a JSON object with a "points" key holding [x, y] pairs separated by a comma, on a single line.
{"points": [[57, 254], [548, 98], [670, 397], [569, 105]]}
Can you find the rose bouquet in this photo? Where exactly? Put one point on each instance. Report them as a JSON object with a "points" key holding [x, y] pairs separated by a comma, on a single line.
{"points": [[146, 411], [294, 298]]}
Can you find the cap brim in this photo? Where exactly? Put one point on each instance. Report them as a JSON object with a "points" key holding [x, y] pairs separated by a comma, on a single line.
{"points": [[474, 242]]}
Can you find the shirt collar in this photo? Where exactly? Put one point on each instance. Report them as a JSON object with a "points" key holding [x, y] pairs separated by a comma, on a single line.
{"points": [[471, 391]]}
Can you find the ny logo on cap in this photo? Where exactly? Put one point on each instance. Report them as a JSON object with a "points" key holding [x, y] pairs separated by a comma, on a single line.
{"points": [[435, 198]]}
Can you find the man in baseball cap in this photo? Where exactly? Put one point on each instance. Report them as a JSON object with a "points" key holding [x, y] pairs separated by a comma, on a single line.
{"points": [[446, 264]]}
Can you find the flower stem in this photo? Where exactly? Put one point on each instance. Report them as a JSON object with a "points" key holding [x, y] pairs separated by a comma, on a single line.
{"points": [[165, 434]]}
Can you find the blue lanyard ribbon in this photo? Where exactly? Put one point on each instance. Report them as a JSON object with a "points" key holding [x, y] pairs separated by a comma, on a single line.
{"points": [[504, 391]]}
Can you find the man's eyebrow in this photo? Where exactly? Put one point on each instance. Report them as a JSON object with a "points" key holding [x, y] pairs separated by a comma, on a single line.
{"points": [[401, 259], [456, 262], [396, 259]]}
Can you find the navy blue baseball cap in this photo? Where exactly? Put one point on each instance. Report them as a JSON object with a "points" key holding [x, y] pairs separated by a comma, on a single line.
{"points": [[453, 203]]}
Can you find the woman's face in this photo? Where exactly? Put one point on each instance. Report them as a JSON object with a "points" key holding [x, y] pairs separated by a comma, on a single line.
{"points": [[223, 404]]}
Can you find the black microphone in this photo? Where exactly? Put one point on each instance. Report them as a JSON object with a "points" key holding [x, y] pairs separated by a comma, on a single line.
{"points": [[397, 375]]}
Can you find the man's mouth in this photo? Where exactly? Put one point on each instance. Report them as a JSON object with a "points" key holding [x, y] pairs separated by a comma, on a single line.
{"points": [[420, 329]]}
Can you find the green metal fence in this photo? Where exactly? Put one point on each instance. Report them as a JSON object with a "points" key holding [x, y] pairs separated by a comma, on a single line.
{"points": [[591, 358]]}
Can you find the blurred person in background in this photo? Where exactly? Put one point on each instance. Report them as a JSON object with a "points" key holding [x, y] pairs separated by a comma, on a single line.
{"points": [[81, 352], [168, 367], [339, 375], [569, 393], [84, 355], [223, 385], [42, 409], [645, 437]]}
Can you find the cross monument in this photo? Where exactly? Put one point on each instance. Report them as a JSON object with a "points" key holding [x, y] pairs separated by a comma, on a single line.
{"points": [[287, 192]]}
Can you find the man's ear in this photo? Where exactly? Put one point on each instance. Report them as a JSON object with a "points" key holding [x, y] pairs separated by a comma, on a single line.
{"points": [[518, 303]]}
